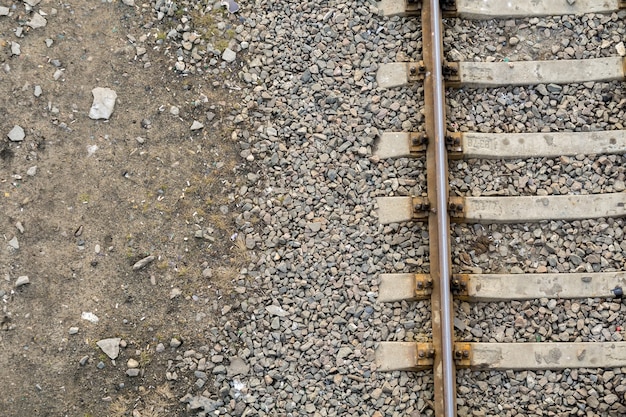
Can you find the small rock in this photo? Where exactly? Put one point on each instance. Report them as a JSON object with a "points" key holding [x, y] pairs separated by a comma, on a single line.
{"points": [[237, 367], [343, 352], [73, 330], [132, 363], [130, 3], [276, 311], [14, 243], [16, 134], [196, 125], [143, 262], [20, 227], [175, 343], [23, 280], [15, 48], [37, 21], [103, 103], [132, 372], [4, 11], [110, 346], [231, 5], [175, 292], [621, 49], [83, 361], [229, 55], [32, 171], [37, 91], [89, 316]]}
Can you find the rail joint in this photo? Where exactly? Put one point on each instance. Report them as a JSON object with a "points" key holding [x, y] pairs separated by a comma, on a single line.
{"points": [[460, 285], [418, 142], [423, 285], [425, 354], [421, 207], [417, 71], [453, 142], [463, 354], [451, 74], [456, 207]]}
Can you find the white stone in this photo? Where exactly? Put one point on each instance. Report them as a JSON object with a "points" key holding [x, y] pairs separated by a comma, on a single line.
{"points": [[621, 49], [4, 11], [37, 21], [89, 316], [16, 134], [196, 125], [103, 103], [229, 55], [130, 3], [15, 48], [23, 280], [14, 243], [37, 91], [32, 171], [276, 311], [110, 346]]}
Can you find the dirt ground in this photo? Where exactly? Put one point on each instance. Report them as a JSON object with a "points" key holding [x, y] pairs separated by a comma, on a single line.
{"points": [[104, 195]]}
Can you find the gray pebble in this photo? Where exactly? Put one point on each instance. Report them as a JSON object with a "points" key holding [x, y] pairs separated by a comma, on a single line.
{"points": [[229, 55], [196, 125], [103, 103], [23, 280], [16, 134], [143, 262], [110, 346]]}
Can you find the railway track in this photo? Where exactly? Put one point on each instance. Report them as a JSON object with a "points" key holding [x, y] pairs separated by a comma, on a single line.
{"points": [[439, 144]]}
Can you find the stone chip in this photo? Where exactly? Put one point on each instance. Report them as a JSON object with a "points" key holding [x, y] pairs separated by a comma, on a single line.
{"points": [[103, 103]]}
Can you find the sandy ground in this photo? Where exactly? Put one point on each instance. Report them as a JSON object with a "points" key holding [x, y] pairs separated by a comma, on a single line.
{"points": [[82, 200]]}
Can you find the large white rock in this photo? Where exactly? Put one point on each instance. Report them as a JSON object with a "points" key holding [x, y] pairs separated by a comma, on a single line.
{"points": [[110, 346], [16, 134], [37, 21], [103, 103], [229, 55]]}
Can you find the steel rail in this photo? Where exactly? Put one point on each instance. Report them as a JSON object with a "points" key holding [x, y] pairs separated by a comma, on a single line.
{"points": [[443, 222]]}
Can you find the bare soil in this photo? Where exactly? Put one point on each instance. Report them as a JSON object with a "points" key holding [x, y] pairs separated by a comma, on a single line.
{"points": [[106, 194]]}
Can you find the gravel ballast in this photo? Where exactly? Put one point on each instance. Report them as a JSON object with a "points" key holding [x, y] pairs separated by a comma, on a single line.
{"points": [[299, 338]]}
